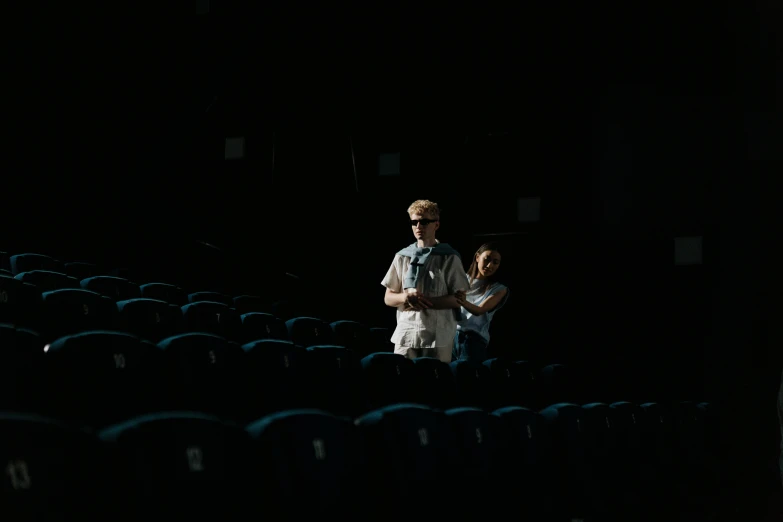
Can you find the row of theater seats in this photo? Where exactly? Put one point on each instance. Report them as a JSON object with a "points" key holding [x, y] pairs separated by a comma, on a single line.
{"points": [[74, 377], [46, 273], [56, 304], [130, 401], [567, 462]]}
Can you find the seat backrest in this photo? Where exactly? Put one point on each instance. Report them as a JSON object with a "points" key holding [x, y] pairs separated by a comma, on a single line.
{"points": [[116, 288], [28, 262], [100, 377], [45, 280], [162, 461], [309, 331], [388, 378], [50, 467], [309, 463], [204, 372], [164, 292], [413, 445]]}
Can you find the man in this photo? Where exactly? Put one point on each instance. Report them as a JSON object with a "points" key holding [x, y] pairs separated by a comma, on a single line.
{"points": [[421, 284]]}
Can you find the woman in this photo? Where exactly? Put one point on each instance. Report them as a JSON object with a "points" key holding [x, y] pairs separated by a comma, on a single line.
{"points": [[485, 297]]}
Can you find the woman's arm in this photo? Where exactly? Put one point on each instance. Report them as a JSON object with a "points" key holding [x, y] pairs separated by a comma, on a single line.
{"points": [[444, 302], [487, 305]]}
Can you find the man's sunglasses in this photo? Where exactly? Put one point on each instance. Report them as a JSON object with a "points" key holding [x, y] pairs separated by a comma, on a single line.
{"points": [[424, 222]]}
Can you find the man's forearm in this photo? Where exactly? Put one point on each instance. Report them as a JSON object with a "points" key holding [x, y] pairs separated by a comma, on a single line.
{"points": [[394, 299]]}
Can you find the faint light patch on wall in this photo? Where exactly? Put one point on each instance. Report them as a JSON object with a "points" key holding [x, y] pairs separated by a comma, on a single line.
{"points": [[528, 210], [389, 164], [235, 148], [202, 7], [688, 250]]}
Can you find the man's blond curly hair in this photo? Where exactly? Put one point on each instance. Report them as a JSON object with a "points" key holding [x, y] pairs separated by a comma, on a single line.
{"points": [[424, 206]]}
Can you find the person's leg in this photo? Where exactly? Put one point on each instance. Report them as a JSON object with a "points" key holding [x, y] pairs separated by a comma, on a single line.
{"points": [[414, 353], [463, 338], [437, 353], [443, 353], [455, 350], [401, 350], [474, 348]]}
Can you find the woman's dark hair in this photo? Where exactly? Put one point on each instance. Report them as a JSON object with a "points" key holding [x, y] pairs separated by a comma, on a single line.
{"points": [[473, 271]]}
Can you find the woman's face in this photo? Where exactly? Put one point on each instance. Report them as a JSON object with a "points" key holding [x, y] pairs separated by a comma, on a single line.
{"points": [[488, 263]]}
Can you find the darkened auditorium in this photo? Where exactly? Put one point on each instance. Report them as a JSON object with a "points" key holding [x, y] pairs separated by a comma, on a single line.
{"points": [[285, 261]]}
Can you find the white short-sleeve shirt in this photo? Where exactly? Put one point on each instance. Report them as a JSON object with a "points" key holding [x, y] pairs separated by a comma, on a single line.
{"points": [[440, 276]]}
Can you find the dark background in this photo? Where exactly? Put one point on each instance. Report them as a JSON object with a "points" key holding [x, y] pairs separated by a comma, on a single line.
{"points": [[634, 124]]}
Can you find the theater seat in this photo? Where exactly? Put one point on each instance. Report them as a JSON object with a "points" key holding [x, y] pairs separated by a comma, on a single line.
{"points": [[627, 418], [309, 464], [21, 360], [149, 318], [524, 471], [382, 339], [472, 383], [603, 480], [564, 424], [413, 446], [51, 471], [433, 383], [555, 383], [203, 373], [20, 303], [46, 281], [353, 335], [476, 450], [512, 383], [333, 380], [164, 292], [274, 377], [388, 379], [309, 331], [28, 262], [74, 310], [116, 288], [216, 297], [212, 317], [80, 270], [178, 466], [258, 325], [246, 304], [99, 377]]}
